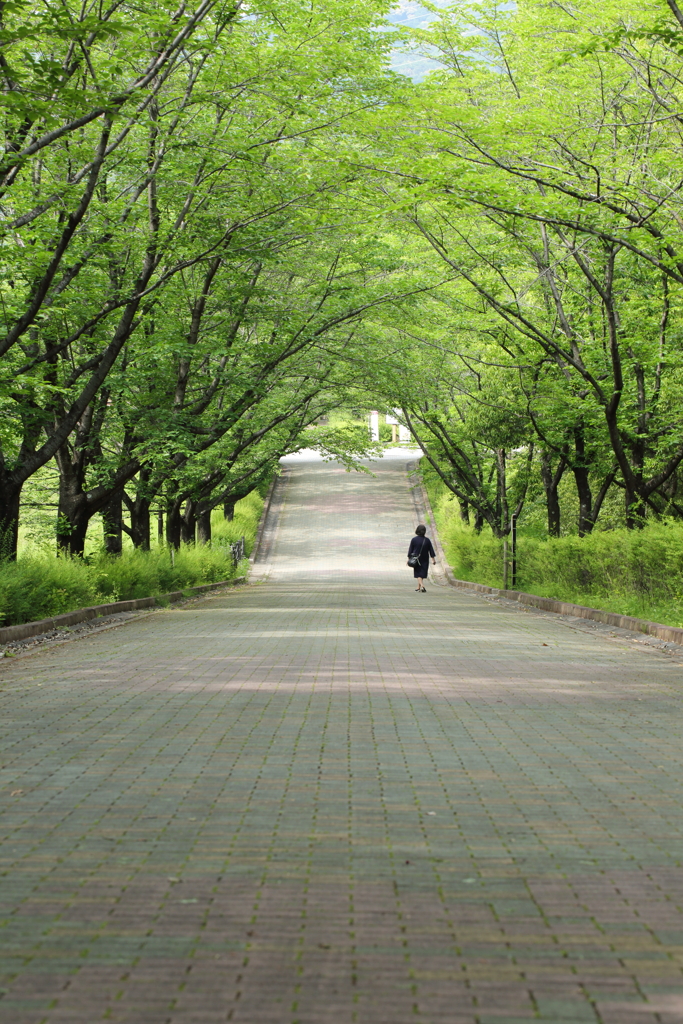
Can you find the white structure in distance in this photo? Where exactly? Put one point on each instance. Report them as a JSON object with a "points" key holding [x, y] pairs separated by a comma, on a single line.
{"points": [[392, 421], [374, 425]]}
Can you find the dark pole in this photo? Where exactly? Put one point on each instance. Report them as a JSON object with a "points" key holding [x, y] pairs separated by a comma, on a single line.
{"points": [[514, 552]]}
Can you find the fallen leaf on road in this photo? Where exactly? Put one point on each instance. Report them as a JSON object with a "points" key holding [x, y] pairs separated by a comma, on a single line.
{"points": [[17, 792]]}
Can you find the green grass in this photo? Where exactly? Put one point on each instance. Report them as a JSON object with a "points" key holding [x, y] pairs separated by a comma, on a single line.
{"points": [[630, 572], [39, 584], [244, 524]]}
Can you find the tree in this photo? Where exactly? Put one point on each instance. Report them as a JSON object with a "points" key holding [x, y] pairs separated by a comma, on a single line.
{"points": [[176, 141], [551, 190]]}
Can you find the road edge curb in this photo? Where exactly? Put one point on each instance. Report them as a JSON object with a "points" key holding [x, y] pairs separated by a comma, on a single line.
{"points": [[262, 521], [270, 517]]}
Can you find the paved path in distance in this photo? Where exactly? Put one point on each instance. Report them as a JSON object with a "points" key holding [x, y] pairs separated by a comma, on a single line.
{"points": [[326, 799]]}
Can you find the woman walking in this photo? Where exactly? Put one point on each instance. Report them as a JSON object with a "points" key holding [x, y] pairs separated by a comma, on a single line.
{"points": [[419, 553]]}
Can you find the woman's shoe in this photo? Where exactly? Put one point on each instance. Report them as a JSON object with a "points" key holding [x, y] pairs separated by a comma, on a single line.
{"points": [[424, 591]]}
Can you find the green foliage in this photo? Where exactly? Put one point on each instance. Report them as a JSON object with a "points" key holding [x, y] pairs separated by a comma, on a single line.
{"points": [[148, 573], [527, 168], [347, 443], [476, 557], [184, 263], [243, 524], [214, 242], [631, 572], [40, 585]]}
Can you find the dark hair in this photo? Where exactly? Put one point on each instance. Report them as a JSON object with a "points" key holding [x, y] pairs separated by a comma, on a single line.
{"points": [[420, 530]]}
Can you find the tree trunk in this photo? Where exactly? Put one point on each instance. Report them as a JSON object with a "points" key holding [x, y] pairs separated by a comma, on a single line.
{"points": [[602, 494], [229, 510], [73, 513], [502, 516], [112, 521], [551, 483], [10, 498], [73, 518], [669, 488], [464, 511], [160, 526], [636, 510], [204, 528], [140, 527], [583, 488], [173, 521], [188, 523]]}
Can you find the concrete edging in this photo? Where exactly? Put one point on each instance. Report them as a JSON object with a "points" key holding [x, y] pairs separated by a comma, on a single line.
{"points": [[547, 604], [264, 516], [27, 629], [270, 519]]}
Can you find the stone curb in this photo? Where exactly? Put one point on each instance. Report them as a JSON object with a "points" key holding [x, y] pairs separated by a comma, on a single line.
{"points": [[270, 518], [547, 604], [264, 516], [28, 629]]}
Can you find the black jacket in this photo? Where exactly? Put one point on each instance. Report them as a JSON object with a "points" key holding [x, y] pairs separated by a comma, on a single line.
{"points": [[422, 546]]}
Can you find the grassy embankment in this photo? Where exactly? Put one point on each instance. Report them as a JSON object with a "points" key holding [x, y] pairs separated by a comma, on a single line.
{"points": [[631, 572], [39, 584]]}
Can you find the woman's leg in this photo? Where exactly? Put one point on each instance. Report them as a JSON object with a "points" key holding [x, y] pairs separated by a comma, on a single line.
{"points": [[419, 583]]}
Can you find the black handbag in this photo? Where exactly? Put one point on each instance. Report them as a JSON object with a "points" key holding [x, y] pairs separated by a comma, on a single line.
{"points": [[414, 560]]}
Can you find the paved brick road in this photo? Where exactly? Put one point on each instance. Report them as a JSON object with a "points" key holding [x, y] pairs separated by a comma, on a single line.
{"points": [[326, 799]]}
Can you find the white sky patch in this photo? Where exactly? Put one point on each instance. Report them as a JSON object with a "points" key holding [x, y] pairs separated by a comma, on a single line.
{"points": [[412, 14]]}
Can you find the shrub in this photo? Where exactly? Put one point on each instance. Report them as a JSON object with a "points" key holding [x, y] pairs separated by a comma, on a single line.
{"points": [[631, 572], [40, 584], [244, 524], [147, 573], [635, 572]]}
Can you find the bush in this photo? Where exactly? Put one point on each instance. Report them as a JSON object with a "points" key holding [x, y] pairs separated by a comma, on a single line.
{"points": [[474, 557], [244, 524], [634, 572], [40, 584], [148, 573], [631, 572]]}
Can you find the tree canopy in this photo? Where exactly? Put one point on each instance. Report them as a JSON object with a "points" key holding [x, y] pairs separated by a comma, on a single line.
{"points": [[221, 220]]}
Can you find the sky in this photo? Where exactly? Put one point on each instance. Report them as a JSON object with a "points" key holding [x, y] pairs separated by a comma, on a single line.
{"points": [[412, 14]]}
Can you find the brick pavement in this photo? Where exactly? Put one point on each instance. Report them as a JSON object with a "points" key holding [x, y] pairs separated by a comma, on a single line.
{"points": [[325, 799]]}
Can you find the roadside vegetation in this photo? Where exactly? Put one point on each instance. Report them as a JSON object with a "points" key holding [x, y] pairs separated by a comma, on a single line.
{"points": [[631, 572], [40, 584]]}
